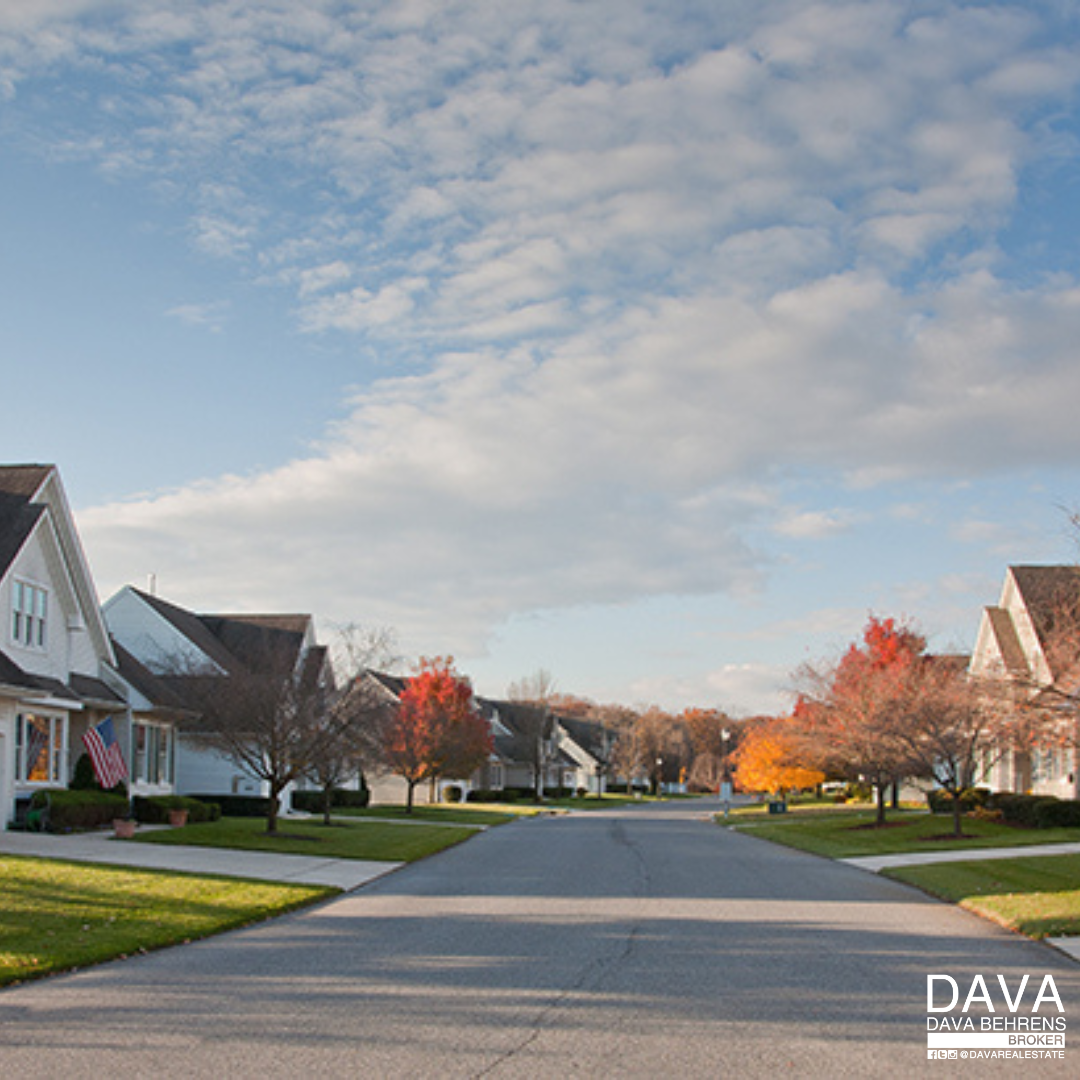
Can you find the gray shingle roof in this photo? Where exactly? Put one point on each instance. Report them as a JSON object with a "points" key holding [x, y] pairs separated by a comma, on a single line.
{"points": [[18, 515]]}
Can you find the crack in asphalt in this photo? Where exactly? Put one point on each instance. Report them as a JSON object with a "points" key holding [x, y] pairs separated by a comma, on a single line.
{"points": [[595, 969]]}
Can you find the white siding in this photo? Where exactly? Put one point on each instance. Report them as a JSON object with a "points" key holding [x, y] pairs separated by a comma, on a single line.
{"points": [[149, 637]]}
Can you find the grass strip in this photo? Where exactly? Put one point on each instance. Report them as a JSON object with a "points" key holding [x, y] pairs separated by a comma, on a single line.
{"points": [[847, 834], [340, 840], [55, 915], [1038, 896], [446, 813]]}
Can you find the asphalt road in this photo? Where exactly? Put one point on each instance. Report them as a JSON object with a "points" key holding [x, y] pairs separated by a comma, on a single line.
{"points": [[645, 942]]}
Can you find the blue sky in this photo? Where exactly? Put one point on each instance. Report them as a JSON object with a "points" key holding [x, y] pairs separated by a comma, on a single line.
{"points": [[652, 345]]}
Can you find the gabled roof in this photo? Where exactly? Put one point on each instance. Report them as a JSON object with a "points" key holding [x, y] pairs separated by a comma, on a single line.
{"points": [[33, 496], [154, 689], [23, 481], [19, 514], [251, 639], [81, 690], [394, 685], [1049, 593], [190, 626], [1007, 641], [590, 735]]}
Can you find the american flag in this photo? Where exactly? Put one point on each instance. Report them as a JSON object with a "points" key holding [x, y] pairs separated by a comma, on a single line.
{"points": [[105, 755]]}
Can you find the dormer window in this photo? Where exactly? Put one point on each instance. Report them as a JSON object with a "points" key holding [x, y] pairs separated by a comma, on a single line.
{"points": [[29, 604]]}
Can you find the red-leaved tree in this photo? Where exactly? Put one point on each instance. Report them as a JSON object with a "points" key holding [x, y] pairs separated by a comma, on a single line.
{"points": [[436, 730], [858, 714]]}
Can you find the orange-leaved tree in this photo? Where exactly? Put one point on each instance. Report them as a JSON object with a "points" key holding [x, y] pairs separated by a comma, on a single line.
{"points": [[858, 714], [436, 730], [769, 759]]}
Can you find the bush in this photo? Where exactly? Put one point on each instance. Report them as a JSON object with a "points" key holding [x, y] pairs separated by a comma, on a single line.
{"points": [[311, 802], [83, 779], [452, 794], [1059, 813], [941, 802], [237, 805], [1019, 809], [487, 795], [79, 809], [154, 809]]}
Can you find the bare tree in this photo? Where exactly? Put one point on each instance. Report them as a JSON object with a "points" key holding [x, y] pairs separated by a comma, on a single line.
{"points": [[348, 735], [536, 723], [261, 716], [654, 746]]}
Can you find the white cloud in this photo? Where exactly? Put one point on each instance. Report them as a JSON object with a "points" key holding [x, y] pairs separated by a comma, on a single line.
{"points": [[210, 316], [814, 524], [639, 265]]}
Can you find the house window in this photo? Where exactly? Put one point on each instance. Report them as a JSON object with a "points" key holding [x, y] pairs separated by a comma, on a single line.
{"points": [[40, 748], [29, 604], [153, 754]]}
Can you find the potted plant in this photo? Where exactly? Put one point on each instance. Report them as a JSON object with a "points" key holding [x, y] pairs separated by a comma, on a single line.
{"points": [[178, 816], [124, 828]]}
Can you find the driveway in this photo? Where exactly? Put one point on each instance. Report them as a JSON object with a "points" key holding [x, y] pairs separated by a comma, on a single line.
{"points": [[641, 942]]}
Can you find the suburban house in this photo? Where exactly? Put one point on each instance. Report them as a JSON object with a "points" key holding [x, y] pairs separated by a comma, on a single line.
{"points": [[58, 668], [1031, 639], [589, 745], [572, 754], [161, 645]]}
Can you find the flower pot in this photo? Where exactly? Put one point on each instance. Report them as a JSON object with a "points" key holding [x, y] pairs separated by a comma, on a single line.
{"points": [[124, 830], [178, 818]]}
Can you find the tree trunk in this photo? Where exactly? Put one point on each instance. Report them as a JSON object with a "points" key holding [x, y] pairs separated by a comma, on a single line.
{"points": [[327, 797], [958, 827], [272, 810], [881, 798], [409, 797]]}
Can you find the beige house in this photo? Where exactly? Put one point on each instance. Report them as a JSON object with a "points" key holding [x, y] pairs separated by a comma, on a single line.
{"points": [[1031, 638]]}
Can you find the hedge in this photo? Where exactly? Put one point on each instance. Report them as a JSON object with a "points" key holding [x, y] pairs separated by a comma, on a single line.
{"points": [[1057, 813], [311, 802], [238, 805], [154, 809], [79, 809]]}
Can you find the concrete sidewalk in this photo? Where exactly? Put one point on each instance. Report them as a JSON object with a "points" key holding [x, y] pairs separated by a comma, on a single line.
{"points": [[99, 847], [876, 863]]}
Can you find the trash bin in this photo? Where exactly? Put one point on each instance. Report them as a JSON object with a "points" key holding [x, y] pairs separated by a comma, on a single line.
{"points": [[777, 806]]}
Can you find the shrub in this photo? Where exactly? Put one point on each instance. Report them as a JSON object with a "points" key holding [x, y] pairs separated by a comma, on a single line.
{"points": [[487, 795], [311, 802], [941, 802], [79, 809], [83, 778], [452, 793], [238, 805], [154, 809], [1057, 813], [1019, 809]]}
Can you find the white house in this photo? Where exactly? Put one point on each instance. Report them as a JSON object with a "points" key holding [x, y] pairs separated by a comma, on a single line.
{"points": [[158, 639], [1031, 638], [57, 664]]}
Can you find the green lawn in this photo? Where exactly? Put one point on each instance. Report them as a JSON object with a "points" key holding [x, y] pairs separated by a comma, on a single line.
{"points": [[1039, 897], [448, 813], [847, 834], [383, 842], [56, 915]]}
